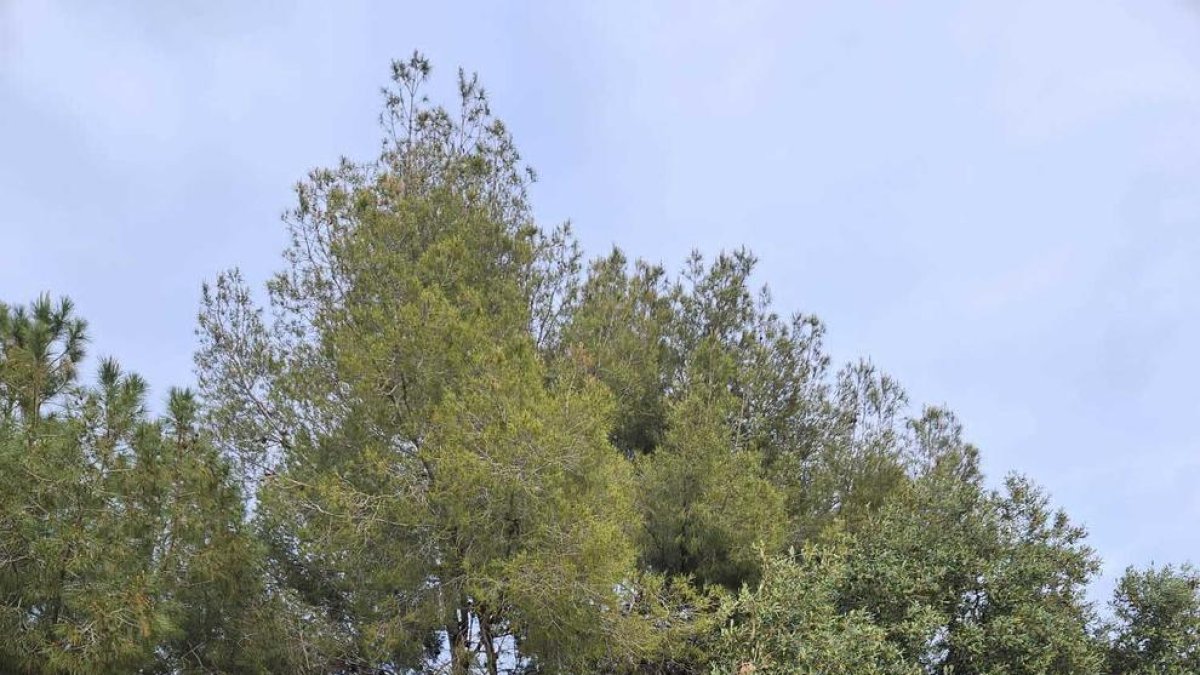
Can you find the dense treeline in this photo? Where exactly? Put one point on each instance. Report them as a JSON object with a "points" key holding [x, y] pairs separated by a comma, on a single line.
{"points": [[447, 443]]}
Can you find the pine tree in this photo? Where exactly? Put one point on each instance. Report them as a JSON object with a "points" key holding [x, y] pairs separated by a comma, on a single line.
{"points": [[122, 546], [436, 493], [445, 443]]}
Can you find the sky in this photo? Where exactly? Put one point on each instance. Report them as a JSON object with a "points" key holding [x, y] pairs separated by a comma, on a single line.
{"points": [[997, 202]]}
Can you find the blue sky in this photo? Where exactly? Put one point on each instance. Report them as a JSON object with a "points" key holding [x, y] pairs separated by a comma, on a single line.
{"points": [[996, 201]]}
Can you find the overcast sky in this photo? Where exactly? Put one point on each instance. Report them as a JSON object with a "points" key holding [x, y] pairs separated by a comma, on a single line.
{"points": [[998, 202]]}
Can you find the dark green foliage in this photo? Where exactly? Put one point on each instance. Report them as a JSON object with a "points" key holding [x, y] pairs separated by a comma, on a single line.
{"points": [[705, 503], [619, 332], [123, 545]]}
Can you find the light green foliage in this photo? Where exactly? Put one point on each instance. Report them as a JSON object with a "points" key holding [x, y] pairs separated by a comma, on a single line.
{"points": [[855, 461], [1029, 614], [222, 619], [916, 559], [434, 484], [792, 623], [1156, 622], [533, 504], [673, 625]]}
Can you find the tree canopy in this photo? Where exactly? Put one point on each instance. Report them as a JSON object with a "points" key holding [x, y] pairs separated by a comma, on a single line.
{"points": [[441, 441]]}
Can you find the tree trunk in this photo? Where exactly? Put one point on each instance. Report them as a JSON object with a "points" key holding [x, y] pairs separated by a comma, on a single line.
{"points": [[458, 635], [489, 645]]}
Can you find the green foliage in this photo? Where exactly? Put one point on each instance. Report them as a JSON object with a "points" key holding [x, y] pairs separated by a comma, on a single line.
{"points": [[446, 444], [1156, 622], [618, 331], [42, 347], [792, 623], [705, 503], [122, 546], [437, 495], [972, 581]]}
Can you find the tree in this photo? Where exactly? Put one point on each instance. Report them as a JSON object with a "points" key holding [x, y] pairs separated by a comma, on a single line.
{"points": [[1156, 622], [122, 546], [792, 622], [42, 346], [967, 580], [438, 492], [619, 331], [445, 444], [706, 505]]}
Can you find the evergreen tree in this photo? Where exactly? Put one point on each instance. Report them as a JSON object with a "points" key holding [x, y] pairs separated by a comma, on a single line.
{"points": [[445, 443], [438, 495], [706, 505], [122, 546]]}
